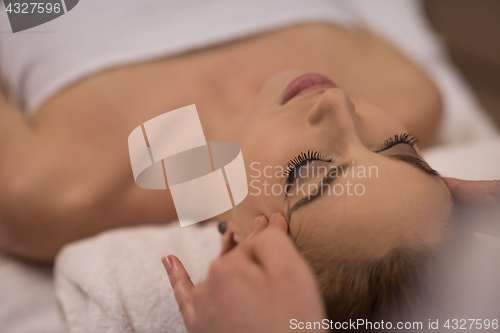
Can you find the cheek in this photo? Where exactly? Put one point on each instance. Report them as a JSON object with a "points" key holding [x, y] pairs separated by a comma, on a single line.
{"points": [[242, 217], [256, 203], [264, 197], [265, 165]]}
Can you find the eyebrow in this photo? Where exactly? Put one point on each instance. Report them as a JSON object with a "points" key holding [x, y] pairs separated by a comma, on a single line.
{"points": [[329, 178]]}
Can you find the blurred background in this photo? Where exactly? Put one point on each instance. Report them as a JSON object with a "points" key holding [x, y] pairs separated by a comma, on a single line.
{"points": [[471, 30]]}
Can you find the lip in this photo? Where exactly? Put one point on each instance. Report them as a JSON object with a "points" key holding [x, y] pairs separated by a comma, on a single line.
{"points": [[305, 84]]}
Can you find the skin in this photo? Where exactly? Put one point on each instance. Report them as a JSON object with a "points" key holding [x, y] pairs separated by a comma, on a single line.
{"points": [[281, 258], [65, 174], [402, 205], [475, 193], [265, 269]]}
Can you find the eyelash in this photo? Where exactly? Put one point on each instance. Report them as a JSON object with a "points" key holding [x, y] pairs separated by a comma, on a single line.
{"points": [[300, 160], [399, 138], [312, 155]]}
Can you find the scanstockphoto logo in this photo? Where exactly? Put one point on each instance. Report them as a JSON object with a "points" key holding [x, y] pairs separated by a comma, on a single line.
{"points": [[28, 14], [205, 179]]}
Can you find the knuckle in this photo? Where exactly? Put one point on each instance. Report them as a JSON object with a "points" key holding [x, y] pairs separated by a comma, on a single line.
{"points": [[197, 296], [183, 307], [175, 281]]}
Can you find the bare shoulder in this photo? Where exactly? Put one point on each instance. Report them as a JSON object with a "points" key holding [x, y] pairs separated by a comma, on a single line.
{"points": [[375, 70], [66, 175]]}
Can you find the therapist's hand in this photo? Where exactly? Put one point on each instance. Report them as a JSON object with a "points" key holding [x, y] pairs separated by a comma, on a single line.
{"points": [[259, 286], [479, 193]]}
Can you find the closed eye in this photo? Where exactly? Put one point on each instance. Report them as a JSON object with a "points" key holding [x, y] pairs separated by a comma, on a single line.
{"points": [[400, 147]]}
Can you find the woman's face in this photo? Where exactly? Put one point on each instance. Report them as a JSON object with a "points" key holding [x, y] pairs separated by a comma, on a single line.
{"points": [[380, 195]]}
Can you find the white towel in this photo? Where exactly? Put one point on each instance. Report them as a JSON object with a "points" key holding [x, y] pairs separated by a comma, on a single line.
{"points": [[27, 301], [115, 282]]}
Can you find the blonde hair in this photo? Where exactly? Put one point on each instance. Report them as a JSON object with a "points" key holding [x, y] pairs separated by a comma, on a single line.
{"points": [[391, 288]]}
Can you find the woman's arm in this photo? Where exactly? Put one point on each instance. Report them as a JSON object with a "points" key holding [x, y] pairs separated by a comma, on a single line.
{"points": [[65, 176], [18, 147]]}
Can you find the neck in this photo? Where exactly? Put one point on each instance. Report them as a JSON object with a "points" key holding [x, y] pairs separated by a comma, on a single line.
{"points": [[223, 127]]}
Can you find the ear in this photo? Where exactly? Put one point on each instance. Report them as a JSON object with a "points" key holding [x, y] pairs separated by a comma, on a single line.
{"points": [[228, 239]]}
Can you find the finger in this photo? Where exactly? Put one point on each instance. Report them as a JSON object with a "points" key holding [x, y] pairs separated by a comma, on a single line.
{"points": [[278, 223], [228, 242], [181, 283], [222, 227], [474, 192], [260, 223], [272, 248]]}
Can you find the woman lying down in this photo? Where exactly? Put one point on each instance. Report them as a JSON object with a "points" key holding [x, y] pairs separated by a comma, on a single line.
{"points": [[102, 93], [361, 205], [375, 222], [365, 210]]}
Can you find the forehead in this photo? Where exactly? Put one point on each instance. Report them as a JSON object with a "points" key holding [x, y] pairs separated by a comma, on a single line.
{"points": [[373, 214]]}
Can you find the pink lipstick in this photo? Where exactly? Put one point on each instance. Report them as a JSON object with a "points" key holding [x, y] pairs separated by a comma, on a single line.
{"points": [[304, 84]]}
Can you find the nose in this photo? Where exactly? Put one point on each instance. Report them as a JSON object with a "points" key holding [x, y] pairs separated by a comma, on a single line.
{"points": [[334, 104], [334, 107], [334, 117]]}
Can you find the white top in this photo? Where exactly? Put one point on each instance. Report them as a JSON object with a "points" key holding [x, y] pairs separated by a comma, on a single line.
{"points": [[99, 34]]}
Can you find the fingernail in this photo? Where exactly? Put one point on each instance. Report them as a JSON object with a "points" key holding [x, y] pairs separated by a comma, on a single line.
{"points": [[167, 262], [257, 220], [222, 227], [275, 216]]}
